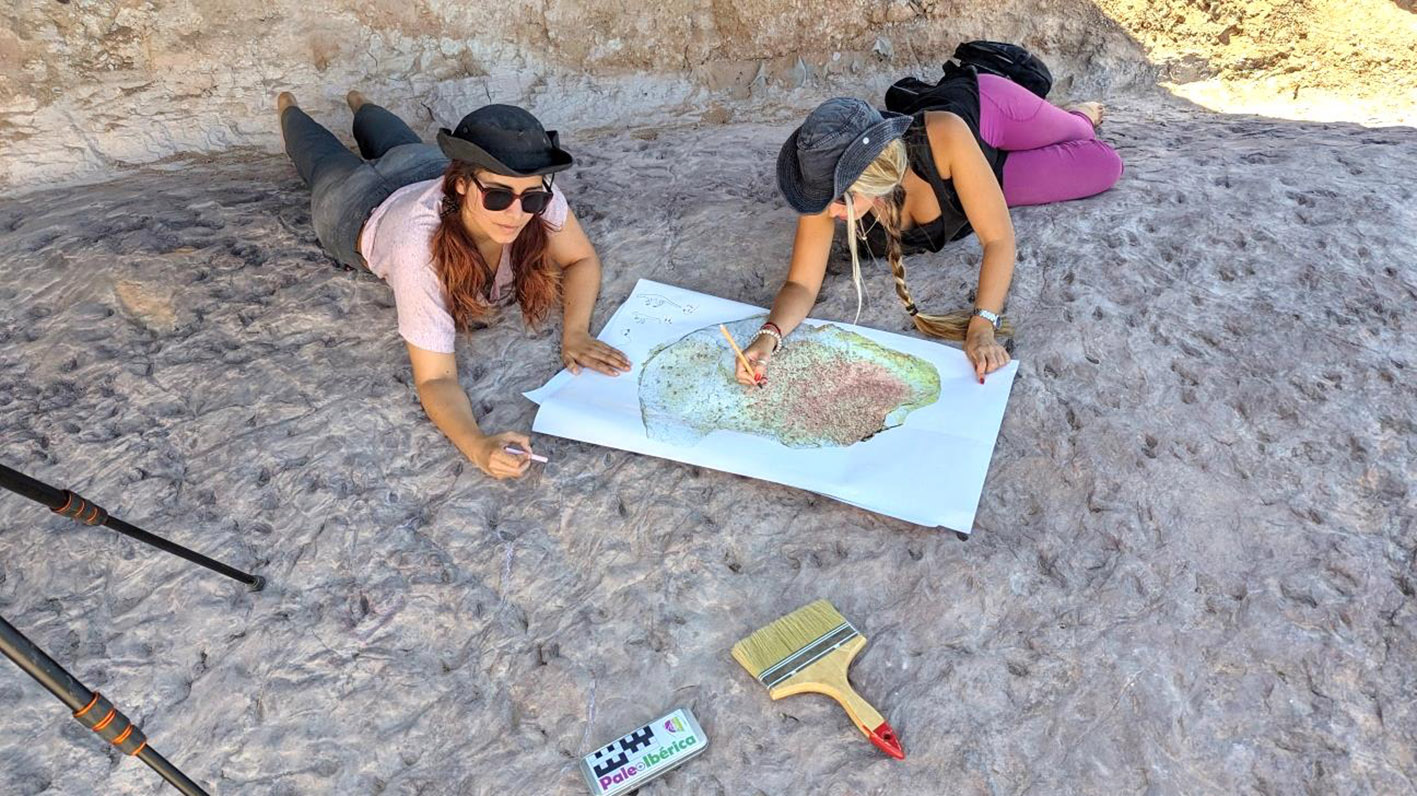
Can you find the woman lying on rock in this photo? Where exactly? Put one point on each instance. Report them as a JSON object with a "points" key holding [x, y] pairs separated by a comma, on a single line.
{"points": [[920, 181], [433, 224]]}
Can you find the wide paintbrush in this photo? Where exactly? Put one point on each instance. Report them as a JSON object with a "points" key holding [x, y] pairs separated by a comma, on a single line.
{"points": [[809, 650]]}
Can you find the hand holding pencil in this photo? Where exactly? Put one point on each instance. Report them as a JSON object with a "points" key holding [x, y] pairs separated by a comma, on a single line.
{"points": [[755, 369], [748, 372], [504, 455]]}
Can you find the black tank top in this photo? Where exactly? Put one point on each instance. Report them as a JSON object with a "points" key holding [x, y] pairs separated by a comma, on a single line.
{"points": [[960, 96]]}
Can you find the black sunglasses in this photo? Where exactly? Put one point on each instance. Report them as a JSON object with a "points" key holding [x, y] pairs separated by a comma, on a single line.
{"points": [[534, 201]]}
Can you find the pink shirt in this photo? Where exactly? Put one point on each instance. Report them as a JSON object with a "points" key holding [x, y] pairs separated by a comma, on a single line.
{"points": [[397, 243]]}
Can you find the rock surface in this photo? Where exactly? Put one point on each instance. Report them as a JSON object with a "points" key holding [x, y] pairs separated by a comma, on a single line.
{"points": [[1193, 570]]}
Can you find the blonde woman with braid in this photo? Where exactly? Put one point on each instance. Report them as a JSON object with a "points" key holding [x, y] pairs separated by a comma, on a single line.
{"points": [[911, 183]]}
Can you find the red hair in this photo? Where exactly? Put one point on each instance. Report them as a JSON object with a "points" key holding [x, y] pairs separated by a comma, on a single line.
{"points": [[467, 279]]}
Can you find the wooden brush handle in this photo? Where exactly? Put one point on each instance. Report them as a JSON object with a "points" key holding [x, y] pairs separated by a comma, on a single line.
{"points": [[867, 718], [828, 676]]}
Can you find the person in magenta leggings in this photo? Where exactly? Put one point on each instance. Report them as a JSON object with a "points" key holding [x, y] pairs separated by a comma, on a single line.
{"points": [[913, 183]]}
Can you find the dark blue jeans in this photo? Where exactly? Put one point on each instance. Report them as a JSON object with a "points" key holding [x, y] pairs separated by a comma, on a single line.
{"points": [[345, 187]]}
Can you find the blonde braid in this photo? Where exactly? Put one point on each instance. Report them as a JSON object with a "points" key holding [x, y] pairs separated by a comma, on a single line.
{"points": [[883, 177]]}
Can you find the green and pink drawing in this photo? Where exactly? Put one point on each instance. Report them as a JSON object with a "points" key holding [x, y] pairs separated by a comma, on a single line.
{"points": [[827, 387]]}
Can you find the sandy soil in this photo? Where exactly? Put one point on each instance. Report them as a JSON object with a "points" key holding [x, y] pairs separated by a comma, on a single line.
{"points": [[1193, 570], [1317, 60]]}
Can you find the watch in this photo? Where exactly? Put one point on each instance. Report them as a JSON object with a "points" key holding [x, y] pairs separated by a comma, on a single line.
{"points": [[991, 317]]}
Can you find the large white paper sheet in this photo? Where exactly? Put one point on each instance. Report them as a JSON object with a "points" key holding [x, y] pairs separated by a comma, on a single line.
{"points": [[928, 470]]}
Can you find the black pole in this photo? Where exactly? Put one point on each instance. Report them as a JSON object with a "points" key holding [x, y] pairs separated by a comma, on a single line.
{"points": [[90, 707], [80, 509]]}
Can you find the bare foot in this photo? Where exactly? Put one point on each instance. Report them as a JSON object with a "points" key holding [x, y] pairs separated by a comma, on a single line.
{"points": [[355, 99], [1092, 110], [285, 100]]}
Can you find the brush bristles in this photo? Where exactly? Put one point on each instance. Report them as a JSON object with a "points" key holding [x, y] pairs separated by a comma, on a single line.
{"points": [[784, 637]]}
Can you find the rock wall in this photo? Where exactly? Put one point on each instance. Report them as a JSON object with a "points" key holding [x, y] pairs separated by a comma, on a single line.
{"points": [[88, 86]]}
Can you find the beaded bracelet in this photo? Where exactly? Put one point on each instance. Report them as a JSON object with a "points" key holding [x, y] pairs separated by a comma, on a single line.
{"points": [[766, 332]]}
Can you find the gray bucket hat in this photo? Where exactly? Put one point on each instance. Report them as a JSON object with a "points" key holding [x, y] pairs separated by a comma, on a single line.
{"points": [[505, 139], [823, 157]]}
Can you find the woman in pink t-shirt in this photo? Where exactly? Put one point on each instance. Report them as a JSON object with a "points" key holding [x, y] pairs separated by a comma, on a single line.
{"points": [[432, 224]]}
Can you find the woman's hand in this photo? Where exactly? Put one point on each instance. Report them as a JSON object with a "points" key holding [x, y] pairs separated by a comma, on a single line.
{"points": [[490, 457], [984, 351], [757, 354], [580, 350]]}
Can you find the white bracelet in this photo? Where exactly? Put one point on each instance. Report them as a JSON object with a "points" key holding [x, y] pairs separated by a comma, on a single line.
{"points": [[777, 338]]}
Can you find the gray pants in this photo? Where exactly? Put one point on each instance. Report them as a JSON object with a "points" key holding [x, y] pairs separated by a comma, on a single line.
{"points": [[345, 187]]}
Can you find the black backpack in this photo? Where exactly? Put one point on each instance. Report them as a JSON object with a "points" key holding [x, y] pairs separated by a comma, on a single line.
{"points": [[1005, 60], [910, 95]]}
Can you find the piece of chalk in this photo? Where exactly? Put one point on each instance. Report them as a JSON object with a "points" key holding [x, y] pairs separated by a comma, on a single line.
{"points": [[515, 451]]}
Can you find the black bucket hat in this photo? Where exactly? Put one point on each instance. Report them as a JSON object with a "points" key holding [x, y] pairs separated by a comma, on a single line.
{"points": [[823, 157], [507, 140]]}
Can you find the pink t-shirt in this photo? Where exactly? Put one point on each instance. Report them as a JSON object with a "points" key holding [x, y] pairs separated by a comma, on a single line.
{"points": [[397, 243]]}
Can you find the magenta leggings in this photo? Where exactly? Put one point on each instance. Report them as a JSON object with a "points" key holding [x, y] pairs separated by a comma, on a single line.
{"points": [[1054, 155]]}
